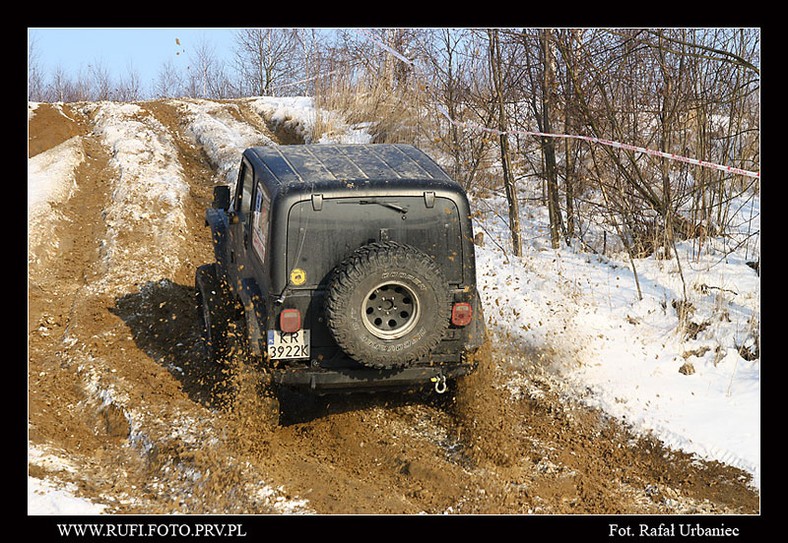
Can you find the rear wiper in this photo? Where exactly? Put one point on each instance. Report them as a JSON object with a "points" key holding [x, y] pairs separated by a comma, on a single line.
{"points": [[389, 205]]}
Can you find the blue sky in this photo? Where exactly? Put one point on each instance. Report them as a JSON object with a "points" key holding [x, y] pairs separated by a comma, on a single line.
{"points": [[144, 49]]}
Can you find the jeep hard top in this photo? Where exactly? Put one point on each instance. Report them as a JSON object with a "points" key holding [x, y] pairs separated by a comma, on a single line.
{"points": [[342, 267]]}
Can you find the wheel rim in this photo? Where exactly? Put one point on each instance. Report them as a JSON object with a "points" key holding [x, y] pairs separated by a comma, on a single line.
{"points": [[390, 310]]}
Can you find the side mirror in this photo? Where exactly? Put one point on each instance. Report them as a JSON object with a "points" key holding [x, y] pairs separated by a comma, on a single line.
{"points": [[221, 197]]}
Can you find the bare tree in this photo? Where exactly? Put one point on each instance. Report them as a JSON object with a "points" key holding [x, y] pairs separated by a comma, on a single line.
{"points": [[205, 73], [545, 120], [35, 74], [100, 81], [169, 81], [129, 87], [264, 58], [503, 129], [311, 46], [58, 85], [452, 70], [567, 44], [658, 89], [65, 88]]}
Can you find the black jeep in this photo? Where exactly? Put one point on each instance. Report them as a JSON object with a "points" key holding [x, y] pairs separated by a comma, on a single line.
{"points": [[342, 267]]}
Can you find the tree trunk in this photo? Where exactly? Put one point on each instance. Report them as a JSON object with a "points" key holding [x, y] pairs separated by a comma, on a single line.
{"points": [[508, 178], [548, 144]]}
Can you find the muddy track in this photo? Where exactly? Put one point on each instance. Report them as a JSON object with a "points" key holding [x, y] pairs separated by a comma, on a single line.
{"points": [[121, 391]]}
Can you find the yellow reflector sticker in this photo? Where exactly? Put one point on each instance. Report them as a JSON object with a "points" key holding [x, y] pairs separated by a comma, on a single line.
{"points": [[298, 276]]}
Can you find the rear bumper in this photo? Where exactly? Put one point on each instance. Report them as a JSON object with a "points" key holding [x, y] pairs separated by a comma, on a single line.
{"points": [[365, 379]]}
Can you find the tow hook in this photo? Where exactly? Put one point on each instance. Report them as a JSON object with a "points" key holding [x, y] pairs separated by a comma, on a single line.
{"points": [[440, 383]]}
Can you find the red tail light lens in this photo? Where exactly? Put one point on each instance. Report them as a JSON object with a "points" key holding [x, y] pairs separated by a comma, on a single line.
{"points": [[461, 314], [290, 320]]}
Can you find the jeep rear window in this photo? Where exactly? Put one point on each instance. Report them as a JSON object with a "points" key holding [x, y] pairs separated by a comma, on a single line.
{"points": [[318, 240]]}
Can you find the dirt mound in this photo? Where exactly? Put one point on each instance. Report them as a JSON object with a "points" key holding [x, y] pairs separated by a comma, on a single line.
{"points": [[125, 405]]}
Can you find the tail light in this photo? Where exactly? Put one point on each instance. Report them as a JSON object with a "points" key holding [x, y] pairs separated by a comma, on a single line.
{"points": [[290, 320], [461, 314]]}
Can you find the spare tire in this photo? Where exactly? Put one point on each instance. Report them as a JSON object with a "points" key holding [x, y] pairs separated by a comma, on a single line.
{"points": [[388, 305]]}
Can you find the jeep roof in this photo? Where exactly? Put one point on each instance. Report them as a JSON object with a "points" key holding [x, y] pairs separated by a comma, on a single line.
{"points": [[324, 165]]}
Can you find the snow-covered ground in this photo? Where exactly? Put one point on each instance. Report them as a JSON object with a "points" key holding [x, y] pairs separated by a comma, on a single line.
{"points": [[686, 384], [624, 354]]}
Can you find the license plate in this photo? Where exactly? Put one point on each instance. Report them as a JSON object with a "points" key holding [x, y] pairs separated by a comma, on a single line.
{"points": [[288, 345]]}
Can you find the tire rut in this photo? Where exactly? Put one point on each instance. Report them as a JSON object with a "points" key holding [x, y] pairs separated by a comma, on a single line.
{"points": [[64, 417]]}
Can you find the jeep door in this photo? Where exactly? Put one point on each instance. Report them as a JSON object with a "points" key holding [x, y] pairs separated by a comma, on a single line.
{"points": [[239, 225]]}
